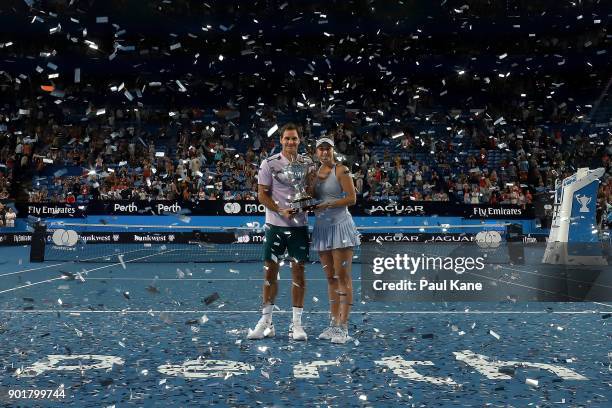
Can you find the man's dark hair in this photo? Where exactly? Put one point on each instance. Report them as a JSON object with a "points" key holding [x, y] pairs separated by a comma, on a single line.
{"points": [[289, 126]]}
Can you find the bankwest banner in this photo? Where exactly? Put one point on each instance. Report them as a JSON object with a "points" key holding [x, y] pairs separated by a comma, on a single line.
{"points": [[63, 237], [229, 208]]}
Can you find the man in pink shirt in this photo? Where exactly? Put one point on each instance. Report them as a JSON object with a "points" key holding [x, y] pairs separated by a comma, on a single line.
{"points": [[286, 229]]}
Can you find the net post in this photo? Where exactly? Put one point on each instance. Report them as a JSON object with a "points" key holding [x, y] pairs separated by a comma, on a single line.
{"points": [[514, 239], [37, 248]]}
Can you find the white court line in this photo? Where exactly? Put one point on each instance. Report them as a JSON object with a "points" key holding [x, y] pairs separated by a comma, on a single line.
{"points": [[453, 312], [29, 284], [110, 255], [65, 263], [554, 277], [84, 271], [531, 287], [35, 269]]}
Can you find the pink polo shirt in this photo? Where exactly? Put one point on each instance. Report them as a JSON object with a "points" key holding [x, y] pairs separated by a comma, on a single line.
{"points": [[271, 174]]}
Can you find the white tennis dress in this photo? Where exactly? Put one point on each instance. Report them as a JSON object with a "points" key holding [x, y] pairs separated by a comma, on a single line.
{"points": [[334, 227]]}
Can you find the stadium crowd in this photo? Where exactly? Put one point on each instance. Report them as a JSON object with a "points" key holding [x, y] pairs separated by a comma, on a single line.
{"points": [[500, 130], [180, 160]]}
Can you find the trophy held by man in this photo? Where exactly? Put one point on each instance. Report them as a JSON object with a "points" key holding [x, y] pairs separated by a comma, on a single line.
{"points": [[297, 174]]}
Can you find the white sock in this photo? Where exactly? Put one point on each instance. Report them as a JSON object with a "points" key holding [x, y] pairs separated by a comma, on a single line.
{"points": [[297, 314], [266, 313]]}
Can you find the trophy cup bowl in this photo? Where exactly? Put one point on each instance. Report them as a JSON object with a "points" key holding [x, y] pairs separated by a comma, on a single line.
{"points": [[296, 174]]}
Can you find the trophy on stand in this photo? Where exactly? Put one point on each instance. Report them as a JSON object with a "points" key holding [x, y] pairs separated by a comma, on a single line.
{"points": [[296, 174]]}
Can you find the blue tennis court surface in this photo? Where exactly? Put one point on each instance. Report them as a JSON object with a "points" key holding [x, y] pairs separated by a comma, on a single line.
{"points": [[175, 335]]}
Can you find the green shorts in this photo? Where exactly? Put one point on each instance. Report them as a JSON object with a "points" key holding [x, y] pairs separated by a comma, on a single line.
{"points": [[292, 239]]}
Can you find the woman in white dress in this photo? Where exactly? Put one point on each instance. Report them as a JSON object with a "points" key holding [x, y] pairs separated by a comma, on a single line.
{"points": [[334, 237]]}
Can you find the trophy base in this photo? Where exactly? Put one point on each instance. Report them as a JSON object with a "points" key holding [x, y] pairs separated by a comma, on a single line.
{"points": [[304, 204]]}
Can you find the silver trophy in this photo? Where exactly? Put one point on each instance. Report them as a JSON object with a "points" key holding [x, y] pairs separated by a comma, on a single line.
{"points": [[584, 201], [296, 174]]}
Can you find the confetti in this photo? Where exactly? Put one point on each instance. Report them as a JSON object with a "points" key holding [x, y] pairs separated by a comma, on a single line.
{"points": [[67, 275], [211, 299], [272, 130], [120, 257]]}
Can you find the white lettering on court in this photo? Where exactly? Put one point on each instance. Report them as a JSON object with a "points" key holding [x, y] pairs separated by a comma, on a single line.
{"points": [[490, 369], [52, 361], [311, 370], [404, 369], [205, 368]]}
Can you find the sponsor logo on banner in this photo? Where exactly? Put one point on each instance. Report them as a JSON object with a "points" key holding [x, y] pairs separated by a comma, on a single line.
{"points": [[163, 208], [528, 239], [570, 180], [134, 208], [128, 208], [255, 208], [489, 211], [450, 238], [231, 208], [395, 238], [250, 238], [396, 209], [92, 238], [243, 239], [151, 238], [488, 239], [50, 210], [249, 208], [65, 238], [401, 237], [22, 238]]}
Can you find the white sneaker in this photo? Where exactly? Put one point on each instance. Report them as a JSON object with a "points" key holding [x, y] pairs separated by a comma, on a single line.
{"points": [[296, 332], [327, 333], [262, 329], [340, 336]]}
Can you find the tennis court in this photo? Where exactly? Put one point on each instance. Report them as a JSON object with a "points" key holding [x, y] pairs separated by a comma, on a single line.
{"points": [[122, 332]]}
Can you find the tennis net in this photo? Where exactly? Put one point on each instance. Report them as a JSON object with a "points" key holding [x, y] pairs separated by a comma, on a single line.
{"points": [[173, 244]]}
